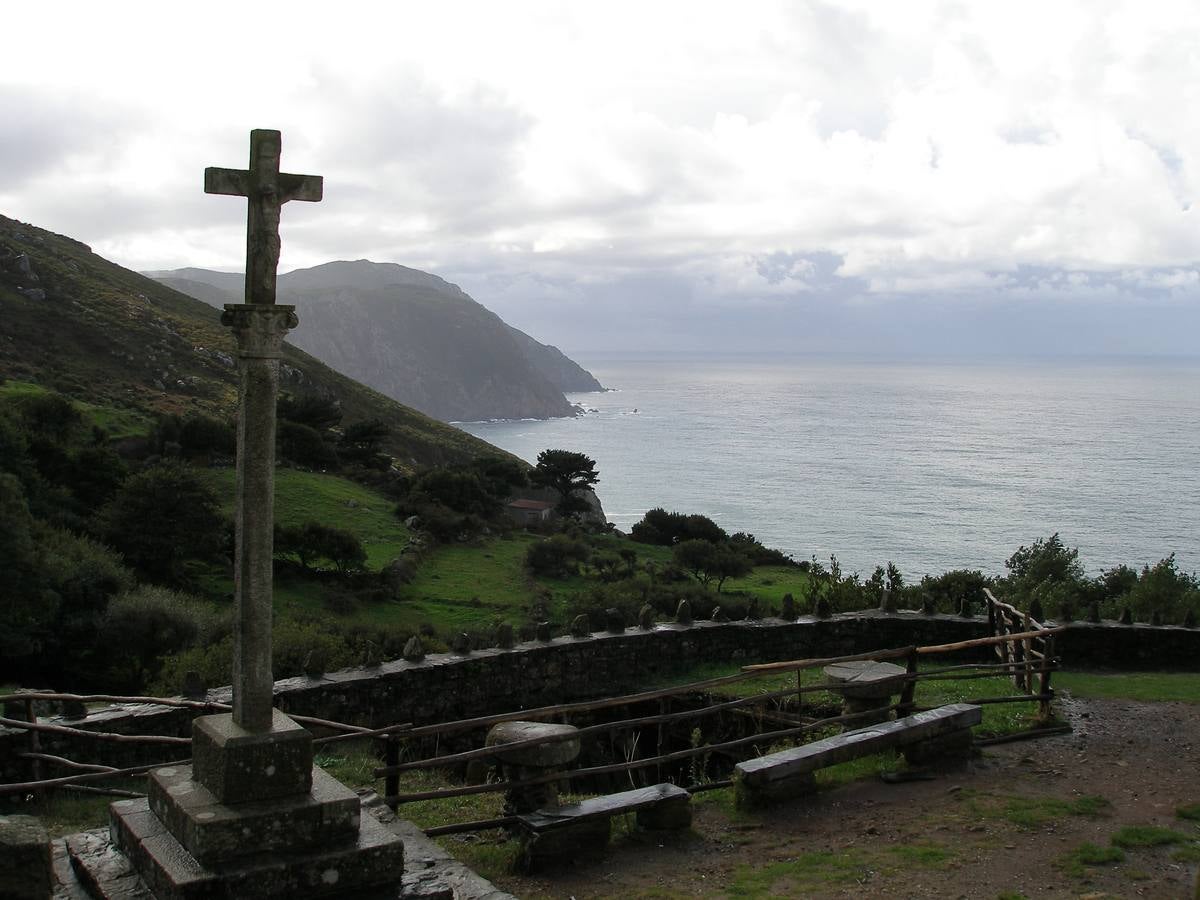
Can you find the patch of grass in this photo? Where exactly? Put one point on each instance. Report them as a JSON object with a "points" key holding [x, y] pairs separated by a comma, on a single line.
{"points": [[1191, 811], [444, 810], [62, 813], [1031, 812], [457, 574], [723, 800], [855, 769], [1147, 687], [802, 874], [789, 878], [350, 762], [1188, 854], [1135, 836], [928, 856], [770, 583], [1011, 895], [1075, 862], [492, 854]]}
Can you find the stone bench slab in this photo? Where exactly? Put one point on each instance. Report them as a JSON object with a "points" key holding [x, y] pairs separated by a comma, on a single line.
{"points": [[603, 807], [798, 761]]}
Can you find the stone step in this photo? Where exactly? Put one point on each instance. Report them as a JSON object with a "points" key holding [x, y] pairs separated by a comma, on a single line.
{"points": [[210, 830], [372, 858]]}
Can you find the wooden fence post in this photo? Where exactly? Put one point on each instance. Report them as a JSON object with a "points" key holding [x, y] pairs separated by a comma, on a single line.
{"points": [[391, 757], [1047, 661], [910, 686]]}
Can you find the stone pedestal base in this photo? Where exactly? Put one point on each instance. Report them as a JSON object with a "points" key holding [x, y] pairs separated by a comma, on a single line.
{"points": [[532, 762], [213, 832], [372, 856], [240, 766], [250, 818]]}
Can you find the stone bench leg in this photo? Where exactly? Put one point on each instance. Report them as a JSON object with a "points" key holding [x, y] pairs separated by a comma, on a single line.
{"points": [[581, 840], [669, 815], [748, 795], [948, 749]]}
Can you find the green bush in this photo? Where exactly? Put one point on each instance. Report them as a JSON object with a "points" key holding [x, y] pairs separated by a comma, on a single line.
{"points": [[162, 516], [142, 626], [558, 556]]}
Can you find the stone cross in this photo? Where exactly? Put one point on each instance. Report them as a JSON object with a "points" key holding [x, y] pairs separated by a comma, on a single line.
{"points": [[259, 326]]}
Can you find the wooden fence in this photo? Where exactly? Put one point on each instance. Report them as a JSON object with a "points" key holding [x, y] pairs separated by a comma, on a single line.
{"points": [[1013, 662]]}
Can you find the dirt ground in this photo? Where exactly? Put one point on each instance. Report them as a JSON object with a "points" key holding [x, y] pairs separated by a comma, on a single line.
{"points": [[1006, 826]]}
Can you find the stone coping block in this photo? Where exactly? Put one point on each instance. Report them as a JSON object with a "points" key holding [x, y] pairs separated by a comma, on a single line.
{"points": [[806, 759], [213, 832], [374, 858], [25, 862], [240, 766]]}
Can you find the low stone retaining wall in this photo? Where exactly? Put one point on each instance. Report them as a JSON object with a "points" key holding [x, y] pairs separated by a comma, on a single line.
{"points": [[452, 686]]}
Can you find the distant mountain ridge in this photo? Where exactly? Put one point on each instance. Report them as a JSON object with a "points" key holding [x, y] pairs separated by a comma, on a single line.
{"points": [[413, 336]]}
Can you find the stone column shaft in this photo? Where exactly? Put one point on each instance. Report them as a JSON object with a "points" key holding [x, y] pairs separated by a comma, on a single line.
{"points": [[259, 331]]}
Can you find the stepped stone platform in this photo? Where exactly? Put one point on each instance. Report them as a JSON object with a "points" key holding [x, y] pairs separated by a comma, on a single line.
{"points": [[88, 865]]}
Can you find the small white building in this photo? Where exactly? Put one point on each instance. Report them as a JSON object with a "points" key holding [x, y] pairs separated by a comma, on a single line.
{"points": [[530, 513]]}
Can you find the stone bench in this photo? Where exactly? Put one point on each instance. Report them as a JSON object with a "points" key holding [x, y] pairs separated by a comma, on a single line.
{"points": [[924, 737], [581, 829]]}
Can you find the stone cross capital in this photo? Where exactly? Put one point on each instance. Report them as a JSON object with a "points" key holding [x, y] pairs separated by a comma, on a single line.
{"points": [[259, 328]]}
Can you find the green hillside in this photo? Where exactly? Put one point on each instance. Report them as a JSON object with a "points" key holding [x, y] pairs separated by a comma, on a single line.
{"points": [[115, 339]]}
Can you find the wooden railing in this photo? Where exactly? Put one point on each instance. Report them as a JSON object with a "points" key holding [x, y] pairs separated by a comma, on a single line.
{"points": [[1014, 663], [1029, 653]]}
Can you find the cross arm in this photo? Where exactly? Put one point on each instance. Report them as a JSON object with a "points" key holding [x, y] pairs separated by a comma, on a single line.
{"points": [[300, 187], [235, 182]]}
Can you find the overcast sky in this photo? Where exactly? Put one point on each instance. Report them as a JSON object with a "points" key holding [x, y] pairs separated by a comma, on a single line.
{"points": [[877, 176]]}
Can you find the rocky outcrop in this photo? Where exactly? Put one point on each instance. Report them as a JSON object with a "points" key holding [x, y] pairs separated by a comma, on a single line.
{"points": [[414, 337]]}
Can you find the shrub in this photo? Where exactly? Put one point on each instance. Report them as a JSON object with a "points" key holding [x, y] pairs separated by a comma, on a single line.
{"points": [[557, 557], [141, 626], [162, 516]]}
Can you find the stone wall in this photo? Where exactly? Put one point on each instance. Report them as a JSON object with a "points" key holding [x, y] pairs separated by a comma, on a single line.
{"points": [[451, 686]]}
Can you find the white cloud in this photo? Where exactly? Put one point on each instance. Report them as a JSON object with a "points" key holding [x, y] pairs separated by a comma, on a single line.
{"points": [[923, 147]]}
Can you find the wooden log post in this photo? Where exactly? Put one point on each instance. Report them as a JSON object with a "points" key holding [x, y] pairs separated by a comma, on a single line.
{"points": [[35, 746], [1044, 711], [391, 757], [1026, 651], [908, 693]]}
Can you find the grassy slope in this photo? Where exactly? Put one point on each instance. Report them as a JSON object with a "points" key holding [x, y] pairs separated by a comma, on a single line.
{"points": [[105, 335], [302, 497]]}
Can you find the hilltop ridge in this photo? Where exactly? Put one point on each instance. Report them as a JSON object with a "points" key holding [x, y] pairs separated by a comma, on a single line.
{"points": [[103, 334]]}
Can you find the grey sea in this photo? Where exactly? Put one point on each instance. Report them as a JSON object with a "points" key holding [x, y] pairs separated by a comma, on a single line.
{"points": [[933, 465]]}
